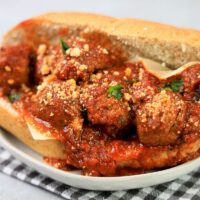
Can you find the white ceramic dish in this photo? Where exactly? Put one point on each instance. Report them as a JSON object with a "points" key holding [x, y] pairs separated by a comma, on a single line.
{"points": [[34, 160]]}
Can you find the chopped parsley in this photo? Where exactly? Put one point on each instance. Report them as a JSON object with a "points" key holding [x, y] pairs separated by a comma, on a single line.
{"points": [[64, 46], [115, 91], [175, 86], [14, 96]]}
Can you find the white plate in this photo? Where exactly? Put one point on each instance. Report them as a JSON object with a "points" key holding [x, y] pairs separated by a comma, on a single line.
{"points": [[34, 160]]}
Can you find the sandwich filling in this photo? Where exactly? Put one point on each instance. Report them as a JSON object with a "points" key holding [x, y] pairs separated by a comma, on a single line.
{"points": [[114, 114]]}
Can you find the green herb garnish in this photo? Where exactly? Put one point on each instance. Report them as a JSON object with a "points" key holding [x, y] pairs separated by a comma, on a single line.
{"points": [[115, 91], [14, 96], [64, 46], [175, 86]]}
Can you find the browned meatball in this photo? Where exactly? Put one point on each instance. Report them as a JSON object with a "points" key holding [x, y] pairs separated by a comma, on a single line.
{"points": [[161, 119], [14, 67], [111, 113], [88, 53], [78, 62], [82, 58], [57, 105]]}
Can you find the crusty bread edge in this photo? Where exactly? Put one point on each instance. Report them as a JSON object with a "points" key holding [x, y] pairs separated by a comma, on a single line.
{"points": [[164, 43], [124, 27], [11, 121]]}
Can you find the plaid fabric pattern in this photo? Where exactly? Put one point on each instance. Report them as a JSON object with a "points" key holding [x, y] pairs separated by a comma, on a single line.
{"points": [[186, 187]]}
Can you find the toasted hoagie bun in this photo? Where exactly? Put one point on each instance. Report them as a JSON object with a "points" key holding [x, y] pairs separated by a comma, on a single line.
{"points": [[12, 122]]}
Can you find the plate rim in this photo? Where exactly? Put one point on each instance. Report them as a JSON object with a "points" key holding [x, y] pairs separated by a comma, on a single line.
{"points": [[21, 155]]}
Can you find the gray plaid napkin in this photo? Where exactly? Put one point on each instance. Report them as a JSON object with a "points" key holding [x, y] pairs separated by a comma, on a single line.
{"points": [[186, 187]]}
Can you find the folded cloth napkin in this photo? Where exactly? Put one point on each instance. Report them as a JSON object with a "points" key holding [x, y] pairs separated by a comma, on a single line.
{"points": [[186, 187]]}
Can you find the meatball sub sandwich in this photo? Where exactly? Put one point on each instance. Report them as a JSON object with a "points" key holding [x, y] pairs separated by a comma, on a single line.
{"points": [[108, 96]]}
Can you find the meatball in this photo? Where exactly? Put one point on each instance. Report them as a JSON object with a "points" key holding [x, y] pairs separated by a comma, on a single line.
{"points": [[88, 53], [110, 113], [57, 105], [82, 58], [14, 67], [161, 119]]}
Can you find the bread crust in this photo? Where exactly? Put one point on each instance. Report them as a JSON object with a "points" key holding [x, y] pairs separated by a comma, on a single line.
{"points": [[163, 43], [12, 122]]}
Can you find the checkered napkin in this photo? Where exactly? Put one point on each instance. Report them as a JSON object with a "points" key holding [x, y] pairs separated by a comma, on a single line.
{"points": [[186, 187]]}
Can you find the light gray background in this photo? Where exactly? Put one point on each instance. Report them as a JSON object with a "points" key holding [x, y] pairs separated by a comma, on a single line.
{"points": [[176, 12]]}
